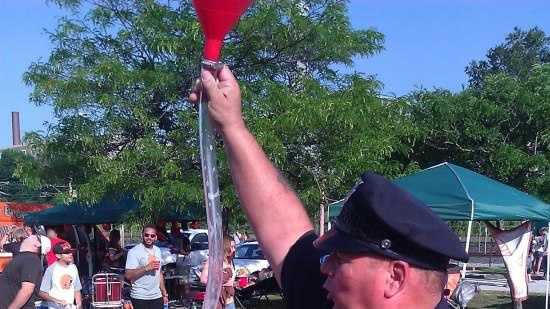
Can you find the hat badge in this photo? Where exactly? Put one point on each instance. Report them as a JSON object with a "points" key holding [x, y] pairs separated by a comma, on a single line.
{"points": [[385, 244]]}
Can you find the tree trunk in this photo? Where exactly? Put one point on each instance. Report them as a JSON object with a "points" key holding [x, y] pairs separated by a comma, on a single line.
{"points": [[225, 221]]}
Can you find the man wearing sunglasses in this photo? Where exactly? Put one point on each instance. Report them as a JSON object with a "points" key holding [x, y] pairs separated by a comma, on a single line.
{"points": [[143, 269], [387, 249], [21, 278]]}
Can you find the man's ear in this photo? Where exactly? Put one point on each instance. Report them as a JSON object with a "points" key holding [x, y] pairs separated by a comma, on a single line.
{"points": [[398, 273]]}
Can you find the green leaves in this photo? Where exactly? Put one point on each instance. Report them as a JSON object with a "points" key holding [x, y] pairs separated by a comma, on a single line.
{"points": [[119, 72], [323, 138], [499, 128], [499, 125], [521, 52]]}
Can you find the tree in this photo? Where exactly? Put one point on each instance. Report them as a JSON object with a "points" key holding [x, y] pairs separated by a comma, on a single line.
{"points": [[498, 126], [516, 57], [117, 81], [12, 188]]}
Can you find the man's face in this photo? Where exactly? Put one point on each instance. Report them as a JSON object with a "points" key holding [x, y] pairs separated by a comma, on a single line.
{"points": [[28, 230], [354, 281], [149, 236]]}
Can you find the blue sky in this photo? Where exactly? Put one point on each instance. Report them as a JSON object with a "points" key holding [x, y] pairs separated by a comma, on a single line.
{"points": [[428, 44]]}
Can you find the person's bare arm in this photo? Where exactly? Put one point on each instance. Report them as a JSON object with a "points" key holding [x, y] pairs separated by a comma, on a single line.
{"points": [[47, 297], [163, 290], [22, 296], [271, 206], [204, 272], [78, 299], [134, 274]]}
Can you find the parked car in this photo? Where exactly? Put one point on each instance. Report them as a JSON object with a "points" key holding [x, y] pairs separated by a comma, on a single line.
{"points": [[198, 238], [249, 255]]}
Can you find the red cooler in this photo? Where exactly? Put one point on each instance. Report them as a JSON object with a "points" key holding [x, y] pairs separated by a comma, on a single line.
{"points": [[107, 290]]}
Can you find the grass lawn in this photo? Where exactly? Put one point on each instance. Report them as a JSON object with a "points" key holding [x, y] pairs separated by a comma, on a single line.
{"points": [[502, 301]]}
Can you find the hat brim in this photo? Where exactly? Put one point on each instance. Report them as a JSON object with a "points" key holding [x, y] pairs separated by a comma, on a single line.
{"points": [[67, 251], [336, 240]]}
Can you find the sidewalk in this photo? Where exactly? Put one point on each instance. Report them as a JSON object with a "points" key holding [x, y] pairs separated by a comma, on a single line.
{"points": [[534, 287]]}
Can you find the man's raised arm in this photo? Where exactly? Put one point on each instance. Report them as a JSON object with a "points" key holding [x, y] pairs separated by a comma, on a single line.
{"points": [[271, 206]]}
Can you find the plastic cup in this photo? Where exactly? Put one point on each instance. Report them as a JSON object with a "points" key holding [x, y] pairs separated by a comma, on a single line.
{"points": [[243, 282]]}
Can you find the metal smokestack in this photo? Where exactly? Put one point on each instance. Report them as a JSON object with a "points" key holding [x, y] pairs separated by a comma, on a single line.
{"points": [[15, 129]]}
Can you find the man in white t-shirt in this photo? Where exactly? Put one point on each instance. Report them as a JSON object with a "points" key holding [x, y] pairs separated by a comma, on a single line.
{"points": [[61, 284], [143, 270]]}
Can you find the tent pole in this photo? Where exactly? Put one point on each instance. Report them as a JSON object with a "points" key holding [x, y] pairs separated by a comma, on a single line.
{"points": [[485, 244], [472, 211], [321, 219], [77, 243], [467, 246], [123, 235], [328, 217], [479, 238], [547, 266]]}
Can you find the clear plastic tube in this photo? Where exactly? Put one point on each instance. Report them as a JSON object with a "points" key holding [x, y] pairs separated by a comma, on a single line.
{"points": [[211, 198]]}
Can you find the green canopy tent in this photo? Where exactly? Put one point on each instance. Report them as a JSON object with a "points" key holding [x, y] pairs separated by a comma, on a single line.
{"points": [[106, 211], [457, 193]]}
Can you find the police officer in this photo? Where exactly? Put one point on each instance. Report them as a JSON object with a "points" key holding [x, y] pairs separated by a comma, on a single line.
{"points": [[387, 249]]}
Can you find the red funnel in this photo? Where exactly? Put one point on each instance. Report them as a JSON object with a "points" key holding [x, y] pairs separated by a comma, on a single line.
{"points": [[217, 17]]}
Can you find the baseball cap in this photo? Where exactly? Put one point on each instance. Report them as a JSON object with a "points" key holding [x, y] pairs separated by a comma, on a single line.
{"points": [[62, 248]]}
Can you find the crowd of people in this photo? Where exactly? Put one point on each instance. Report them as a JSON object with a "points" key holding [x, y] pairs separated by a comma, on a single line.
{"points": [[45, 268], [47, 264], [538, 253]]}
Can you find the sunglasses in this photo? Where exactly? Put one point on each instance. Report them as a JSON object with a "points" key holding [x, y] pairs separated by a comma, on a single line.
{"points": [[147, 235]]}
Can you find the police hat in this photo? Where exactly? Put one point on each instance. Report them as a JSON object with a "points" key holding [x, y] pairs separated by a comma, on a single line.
{"points": [[378, 217]]}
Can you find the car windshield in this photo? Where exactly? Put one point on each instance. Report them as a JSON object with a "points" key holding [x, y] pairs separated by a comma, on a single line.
{"points": [[249, 252]]}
